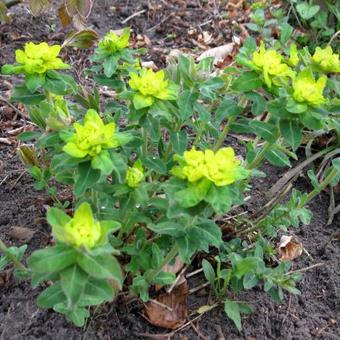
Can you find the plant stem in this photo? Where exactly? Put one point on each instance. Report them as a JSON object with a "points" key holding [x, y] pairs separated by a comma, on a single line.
{"points": [[322, 186], [12, 257], [145, 142], [259, 157], [224, 133], [171, 255], [308, 198]]}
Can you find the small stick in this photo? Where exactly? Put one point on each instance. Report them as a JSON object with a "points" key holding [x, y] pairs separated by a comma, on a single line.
{"points": [[174, 284], [306, 268], [197, 271], [161, 22], [193, 290], [2, 99], [161, 305], [132, 16]]}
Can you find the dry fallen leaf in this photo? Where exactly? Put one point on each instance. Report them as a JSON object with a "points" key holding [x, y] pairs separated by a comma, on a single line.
{"points": [[289, 248], [21, 233], [219, 53], [169, 310], [149, 64]]}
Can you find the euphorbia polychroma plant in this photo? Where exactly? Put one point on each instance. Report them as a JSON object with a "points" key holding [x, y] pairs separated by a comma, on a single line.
{"points": [[152, 172]]}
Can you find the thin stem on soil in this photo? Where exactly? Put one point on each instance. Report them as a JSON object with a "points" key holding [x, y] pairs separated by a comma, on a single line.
{"points": [[259, 157], [308, 198], [223, 135]]}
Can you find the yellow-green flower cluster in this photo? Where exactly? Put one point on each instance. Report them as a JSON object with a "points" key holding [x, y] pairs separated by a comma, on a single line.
{"points": [[326, 60], [113, 42], [81, 231], [135, 175], [221, 168], [37, 59], [272, 65], [308, 90], [92, 137], [149, 86]]}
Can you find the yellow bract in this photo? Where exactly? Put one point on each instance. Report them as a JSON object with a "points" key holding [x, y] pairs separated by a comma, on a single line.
{"points": [[326, 59], [39, 58], [221, 168], [92, 137], [82, 229], [113, 42], [149, 86], [307, 89], [134, 175], [272, 66]]}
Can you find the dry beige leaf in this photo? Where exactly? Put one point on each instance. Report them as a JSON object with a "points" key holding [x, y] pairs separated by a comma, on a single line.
{"points": [[169, 310], [149, 64], [219, 53], [21, 233], [289, 248]]}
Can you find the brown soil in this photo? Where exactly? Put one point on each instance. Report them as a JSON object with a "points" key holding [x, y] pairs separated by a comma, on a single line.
{"points": [[314, 314]]}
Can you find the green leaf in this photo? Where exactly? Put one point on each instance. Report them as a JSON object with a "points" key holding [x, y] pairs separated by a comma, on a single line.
{"points": [[168, 228], [34, 81], [101, 267], [103, 162], [88, 177], [73, 281], [277, 157], [192, 195], [164, 278], [110, 65], [185, 248], [250, 280], [23, 95], [96, 292], [307, 11], [228, 108], [76, 315], [248, 81], [156, 165], [232, 309], [209, 272], [63, 161], [291, 131], [186, 100], [286, 32], [205, 234], [265, 130], [243, 266], [220, 198], [59, 83], [295, 107], [36, 278], [51, 296], [259, 103], [52, 259], [179, 141]]}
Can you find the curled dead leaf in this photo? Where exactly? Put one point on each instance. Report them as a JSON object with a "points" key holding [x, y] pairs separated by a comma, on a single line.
{"points": [[218, 53], [169, 310], [289, 248]]}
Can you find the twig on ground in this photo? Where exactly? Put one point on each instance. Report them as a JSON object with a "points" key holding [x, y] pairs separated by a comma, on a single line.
{"points": [[133, 15], [302, 270], [193, 290], [197, 271]]}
